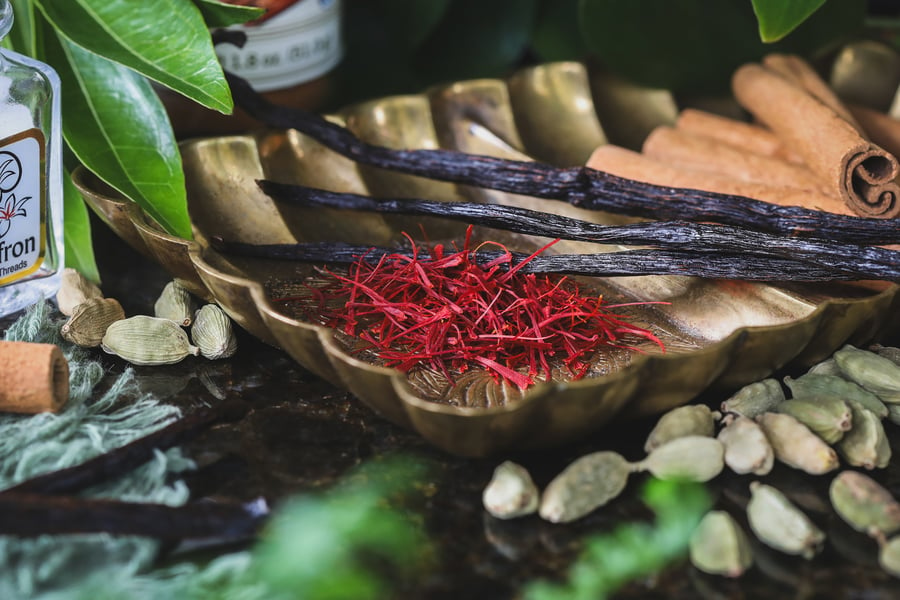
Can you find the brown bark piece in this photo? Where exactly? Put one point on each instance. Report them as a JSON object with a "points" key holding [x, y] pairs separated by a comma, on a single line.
{"points": [[35, 377]]}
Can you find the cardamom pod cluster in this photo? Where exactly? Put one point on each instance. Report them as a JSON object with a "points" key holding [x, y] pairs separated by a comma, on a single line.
{"points": [[144, 341], [834, 414]]}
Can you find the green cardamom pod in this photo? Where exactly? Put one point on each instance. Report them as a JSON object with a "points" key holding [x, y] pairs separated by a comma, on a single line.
{"points": [[693, 458], [878, 374], [816, 385], [719, 546], [74, 288], [511, 492], [779, 524], [212, 333], [827, 416], [864, 504], [894, 413], [889, 556], [754, 399], [585, 485], [796, 445], [826, 367], [144, 340], [891, 353], [866, 444], [691, 419], [89, 321], [747, 449], [175, 303]]}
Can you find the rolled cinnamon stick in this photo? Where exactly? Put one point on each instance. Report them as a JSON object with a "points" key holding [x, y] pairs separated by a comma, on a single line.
{"points": [[797, 70], [633, 165], [684, 149], [33, 377], [859, 172], [750, 137], [880, 127]]}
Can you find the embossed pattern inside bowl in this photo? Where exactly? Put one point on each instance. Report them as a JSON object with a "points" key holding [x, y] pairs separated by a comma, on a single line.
{"points": [[718, 334]]}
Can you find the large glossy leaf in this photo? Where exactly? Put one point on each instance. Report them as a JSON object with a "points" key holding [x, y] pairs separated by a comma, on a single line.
{"points": [[165, 40], [478, 39], [222, 14], [556, 33], [116, 126], [79, 250], [778, 18], [695, 45]]}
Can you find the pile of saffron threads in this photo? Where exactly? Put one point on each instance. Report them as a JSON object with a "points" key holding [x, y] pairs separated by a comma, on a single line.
{"points": [[446, 311]]}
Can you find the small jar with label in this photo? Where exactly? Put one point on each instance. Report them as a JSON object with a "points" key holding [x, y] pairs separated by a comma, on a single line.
{"points": [[288, 56], [31, 193]]}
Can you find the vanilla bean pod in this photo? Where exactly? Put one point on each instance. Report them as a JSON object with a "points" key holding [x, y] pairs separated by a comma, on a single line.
{"points": [[699, 237], [580, 186], [30, 515], [128, 456], [629, 262]]}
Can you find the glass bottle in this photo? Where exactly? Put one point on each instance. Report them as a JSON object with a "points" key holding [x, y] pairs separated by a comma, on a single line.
{"points": [[31, 196]]}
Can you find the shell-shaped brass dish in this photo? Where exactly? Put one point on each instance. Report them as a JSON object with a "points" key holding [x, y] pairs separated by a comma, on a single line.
{"points": [[720, 334]]}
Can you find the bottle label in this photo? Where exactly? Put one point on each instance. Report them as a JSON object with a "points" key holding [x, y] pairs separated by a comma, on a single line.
{"points": [[297, 44], [22, 205]]}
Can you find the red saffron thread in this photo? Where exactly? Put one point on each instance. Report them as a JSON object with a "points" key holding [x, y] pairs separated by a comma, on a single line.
{"points": [[446, 311]]}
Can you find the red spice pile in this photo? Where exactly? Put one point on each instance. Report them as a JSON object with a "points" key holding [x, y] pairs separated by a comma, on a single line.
{"points": [[447, 311]]}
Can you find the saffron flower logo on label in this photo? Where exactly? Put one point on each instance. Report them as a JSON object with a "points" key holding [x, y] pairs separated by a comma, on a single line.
{"points": [[10, 206]]}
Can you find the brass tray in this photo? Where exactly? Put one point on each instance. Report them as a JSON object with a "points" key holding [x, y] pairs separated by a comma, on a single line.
{"points": [[719, 334]]}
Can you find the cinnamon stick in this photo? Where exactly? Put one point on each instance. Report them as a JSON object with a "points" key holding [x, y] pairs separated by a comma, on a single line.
{"points": [[881, 128], [633, 165], [684, 149], [33, 377], [740, 134], [857, 171], [800, 72]]}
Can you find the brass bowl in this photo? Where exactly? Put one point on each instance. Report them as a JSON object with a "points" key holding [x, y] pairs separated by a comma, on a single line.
{"points": [[719, 334]]}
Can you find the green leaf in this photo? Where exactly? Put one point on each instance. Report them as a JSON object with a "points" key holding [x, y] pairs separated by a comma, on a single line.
{"points": [[221, 14], [777, 18], [21, 37], [556, 33], [79, 250], [694, 46], [117, 127], [165, 40], [477, 39]]}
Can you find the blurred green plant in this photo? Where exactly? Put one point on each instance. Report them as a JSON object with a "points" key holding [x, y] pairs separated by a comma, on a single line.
{"points": [[397, 46], [632, 550]]}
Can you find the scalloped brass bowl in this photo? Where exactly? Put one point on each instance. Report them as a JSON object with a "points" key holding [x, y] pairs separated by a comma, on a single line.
{"points": [[719, 334]]}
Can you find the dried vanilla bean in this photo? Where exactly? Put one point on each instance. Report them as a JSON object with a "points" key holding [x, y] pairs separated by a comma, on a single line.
{"points": [[579, 186], [698, 237], [30, 515], [725, 265]]}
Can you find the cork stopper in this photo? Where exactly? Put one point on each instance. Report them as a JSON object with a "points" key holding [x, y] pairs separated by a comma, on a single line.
{"points": [[35, 377]]}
